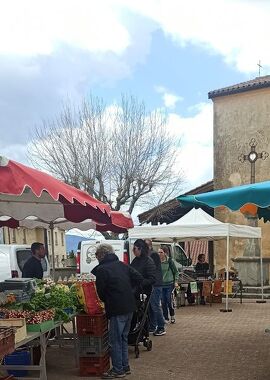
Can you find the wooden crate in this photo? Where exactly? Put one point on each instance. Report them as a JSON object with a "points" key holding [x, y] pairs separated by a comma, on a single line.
{"points": [[20, 326], [215, 299]]}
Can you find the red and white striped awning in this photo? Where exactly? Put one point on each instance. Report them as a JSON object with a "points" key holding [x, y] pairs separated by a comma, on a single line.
{"points": [[195, 247]]}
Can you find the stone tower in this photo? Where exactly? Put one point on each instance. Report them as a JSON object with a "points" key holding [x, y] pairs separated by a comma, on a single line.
{"points": [[241, 113]]}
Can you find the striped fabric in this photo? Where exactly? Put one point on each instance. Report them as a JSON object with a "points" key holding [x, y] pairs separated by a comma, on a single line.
{"points": [[195, 247]]}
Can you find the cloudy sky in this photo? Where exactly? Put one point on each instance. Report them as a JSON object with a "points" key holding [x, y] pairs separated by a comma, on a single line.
{"points": [[170, 53]]}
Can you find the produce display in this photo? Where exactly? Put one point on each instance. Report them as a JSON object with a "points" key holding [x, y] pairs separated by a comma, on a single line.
{"points": [[51, 301], [31, 317]]}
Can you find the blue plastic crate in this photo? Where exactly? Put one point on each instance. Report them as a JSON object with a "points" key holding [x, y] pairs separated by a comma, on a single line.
{"points": [[18, 358]]}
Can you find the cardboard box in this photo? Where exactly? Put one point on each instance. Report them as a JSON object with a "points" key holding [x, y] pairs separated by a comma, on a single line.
{"points": [[20, 327]]}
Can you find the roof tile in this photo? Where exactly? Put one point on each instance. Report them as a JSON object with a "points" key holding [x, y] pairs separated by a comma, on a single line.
{"points": [[259, 82]]}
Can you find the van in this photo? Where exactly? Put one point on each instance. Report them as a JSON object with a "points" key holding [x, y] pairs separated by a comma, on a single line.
{"points": [[176, 252], [12, 260], [86, 253]]}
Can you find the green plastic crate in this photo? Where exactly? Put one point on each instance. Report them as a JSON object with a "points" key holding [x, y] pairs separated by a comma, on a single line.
{"points": [[42, 327]]}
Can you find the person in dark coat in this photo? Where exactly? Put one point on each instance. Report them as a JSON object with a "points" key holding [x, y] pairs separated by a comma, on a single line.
{"points": [[202, 270], [115, 282], [157, 322], [33, 268], [144, 265]]}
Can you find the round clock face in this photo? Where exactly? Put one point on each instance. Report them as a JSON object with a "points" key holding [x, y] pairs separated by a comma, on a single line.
{"points": [[91, 254], [252, 156]]}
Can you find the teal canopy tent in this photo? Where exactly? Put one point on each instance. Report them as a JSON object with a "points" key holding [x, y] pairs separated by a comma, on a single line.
{"points": [[234, 198], [251, 199]]}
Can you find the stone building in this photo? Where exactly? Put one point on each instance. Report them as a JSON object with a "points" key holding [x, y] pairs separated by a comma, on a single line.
{"points": [[241, 114], [28, 236], [241, 119]]}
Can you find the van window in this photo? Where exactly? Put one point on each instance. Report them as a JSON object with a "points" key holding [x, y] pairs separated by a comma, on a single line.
{"points": [[180, 256], [23, 255], [156, 247]]}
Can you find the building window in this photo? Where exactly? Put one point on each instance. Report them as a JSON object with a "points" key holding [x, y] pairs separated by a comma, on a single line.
{"points": [[49, 237], [62, 239], [55, 238], [24, 237], [57, 261], [13, 235]]}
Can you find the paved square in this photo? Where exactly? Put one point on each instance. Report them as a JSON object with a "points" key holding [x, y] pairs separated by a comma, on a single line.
{"points": [[204, 344]]}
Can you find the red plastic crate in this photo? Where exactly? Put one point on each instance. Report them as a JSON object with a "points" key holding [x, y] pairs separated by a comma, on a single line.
{"points": [[94, 366], [95, 325], [93, 305], [93, 346]]}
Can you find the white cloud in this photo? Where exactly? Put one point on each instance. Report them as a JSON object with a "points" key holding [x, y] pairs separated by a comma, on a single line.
{"points": [[170, 100], [237, 29], [196, 152], [33, 27]]}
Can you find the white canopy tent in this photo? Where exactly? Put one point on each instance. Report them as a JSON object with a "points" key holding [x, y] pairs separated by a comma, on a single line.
{"points": [[197, 224]]}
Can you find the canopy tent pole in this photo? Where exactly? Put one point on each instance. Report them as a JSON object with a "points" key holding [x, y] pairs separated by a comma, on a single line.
{"points": [[52, 242], [226, 282], [261, 270], [261, 262]]}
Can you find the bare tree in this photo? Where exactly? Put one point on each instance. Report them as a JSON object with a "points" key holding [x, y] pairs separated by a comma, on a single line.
{"points": [[119, 154]]}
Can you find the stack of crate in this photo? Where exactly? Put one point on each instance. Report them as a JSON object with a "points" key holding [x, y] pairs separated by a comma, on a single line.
{"points": [[93, 344]]}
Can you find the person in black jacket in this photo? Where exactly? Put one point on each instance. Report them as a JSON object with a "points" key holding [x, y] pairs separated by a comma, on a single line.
{"points": [[202, 270], [115, 282], [157, 322], [33, 268], [144, 265]]}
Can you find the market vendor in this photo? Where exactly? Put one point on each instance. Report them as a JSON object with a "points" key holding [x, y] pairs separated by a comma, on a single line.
{"points": [[33, 268], [202, 270]]}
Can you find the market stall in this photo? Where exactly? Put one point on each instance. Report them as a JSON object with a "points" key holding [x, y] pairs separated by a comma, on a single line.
{"points": [[39, 320], [30, 198], [197, 224]]}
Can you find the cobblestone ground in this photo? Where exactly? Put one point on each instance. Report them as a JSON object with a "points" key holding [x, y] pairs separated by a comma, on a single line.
{"points": [[204, 344]]}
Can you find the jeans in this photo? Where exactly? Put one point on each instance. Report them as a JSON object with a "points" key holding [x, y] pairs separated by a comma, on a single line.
{"points": [[155, 311], [119, 327], [167, 301]]}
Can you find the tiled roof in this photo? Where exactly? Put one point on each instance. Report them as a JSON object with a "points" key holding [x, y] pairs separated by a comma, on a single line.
{"points": [[259, 82], [172, 210]]}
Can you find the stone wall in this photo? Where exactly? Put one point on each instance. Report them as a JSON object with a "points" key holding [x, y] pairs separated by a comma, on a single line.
{"points": [[237, 119]]}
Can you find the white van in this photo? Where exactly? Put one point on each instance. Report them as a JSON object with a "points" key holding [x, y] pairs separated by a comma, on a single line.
{"points": [[176, 252], [86, 253], [12, 259]]}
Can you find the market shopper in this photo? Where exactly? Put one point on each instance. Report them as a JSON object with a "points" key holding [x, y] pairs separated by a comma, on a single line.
{"points": [[144, 265], [170, 277], [33, 268], [115, 282], [157, 323]]}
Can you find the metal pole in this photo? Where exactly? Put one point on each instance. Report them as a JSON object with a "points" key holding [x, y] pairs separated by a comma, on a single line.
{"points": [[261, 269], [261, 262], [227, 273], [52, 242]]}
